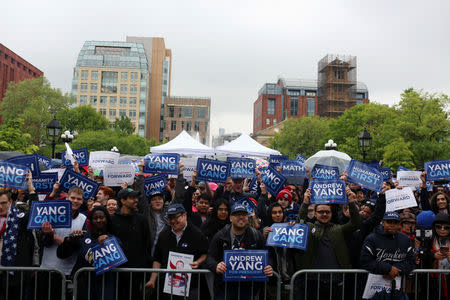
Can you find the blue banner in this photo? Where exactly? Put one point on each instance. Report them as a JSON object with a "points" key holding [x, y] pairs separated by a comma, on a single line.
{"points": [[253, 186], [212, 170], [247, 203], [241, 167], [285, 235], [13, 176], [301, 158], [386, 172], [292, 168], [108, 256], [81, 156], [30, 161], [328, 191], [292, 213], [275, 160], [325, 172], [154, 184], [71, 178], [166, 163], [44, 160], [438, 170], [273, 180], [56, 212], [44, 183], [245, 265], [365, 176]]}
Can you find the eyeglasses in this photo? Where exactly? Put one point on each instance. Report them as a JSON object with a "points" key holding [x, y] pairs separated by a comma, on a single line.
{"points": [[323, 212], [442, 227]]}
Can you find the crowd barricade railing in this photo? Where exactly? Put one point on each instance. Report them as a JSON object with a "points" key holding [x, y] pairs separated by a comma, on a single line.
{"points": [[31, 283], [142, 276]]}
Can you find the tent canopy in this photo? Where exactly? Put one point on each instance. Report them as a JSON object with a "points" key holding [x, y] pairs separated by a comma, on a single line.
{"points": [[183, 144], [245, 145]]}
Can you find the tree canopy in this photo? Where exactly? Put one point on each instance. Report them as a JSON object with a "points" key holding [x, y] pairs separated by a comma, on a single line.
{"points": [[12, 138], [82, 118]]}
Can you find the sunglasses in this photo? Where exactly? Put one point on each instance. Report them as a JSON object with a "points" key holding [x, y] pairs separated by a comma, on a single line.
{"points": [[442, 227], [323, 212]]}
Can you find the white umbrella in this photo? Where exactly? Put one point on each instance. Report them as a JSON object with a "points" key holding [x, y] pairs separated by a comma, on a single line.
{"points": [[329, 158]]}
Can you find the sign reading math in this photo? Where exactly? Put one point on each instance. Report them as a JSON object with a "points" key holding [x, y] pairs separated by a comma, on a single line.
{"points": [[154, 184], [245, 265], [71, 178], [273, 180], [365, 176], [328, 191], [285, 235], [241, 167], [108, 256], [212, 170], [44, 183], [80, 155], [57, 212], [325, 172], [438, 170], [292, 168], [166, 163], [13, 176]]}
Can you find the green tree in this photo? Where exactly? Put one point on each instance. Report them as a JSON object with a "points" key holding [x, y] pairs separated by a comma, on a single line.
{"points": [[35, 102], [398, 153], [82, 118], [124, 125], [12, 137]]}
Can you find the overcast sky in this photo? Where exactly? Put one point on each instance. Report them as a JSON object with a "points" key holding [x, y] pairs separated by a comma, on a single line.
{"points": [[228, 49]]}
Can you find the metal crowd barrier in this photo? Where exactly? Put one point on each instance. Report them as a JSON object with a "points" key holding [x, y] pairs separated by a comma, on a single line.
{"points": [[28, 283]]}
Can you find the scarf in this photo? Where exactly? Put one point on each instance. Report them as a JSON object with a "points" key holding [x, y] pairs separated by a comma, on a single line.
{"points": [[9, 247]]}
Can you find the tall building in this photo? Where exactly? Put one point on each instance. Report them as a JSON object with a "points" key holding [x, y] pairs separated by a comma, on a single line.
{"points": [[14, 68], [187, 113]]}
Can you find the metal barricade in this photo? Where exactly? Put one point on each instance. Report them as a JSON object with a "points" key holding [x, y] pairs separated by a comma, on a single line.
{"points": [[428, 283], [31, 283]]}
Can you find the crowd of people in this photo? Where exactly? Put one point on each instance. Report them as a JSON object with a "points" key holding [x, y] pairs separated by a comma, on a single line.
{"points": [[204, 219]]}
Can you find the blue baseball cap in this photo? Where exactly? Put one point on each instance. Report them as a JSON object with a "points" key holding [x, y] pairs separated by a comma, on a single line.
{"points": [[175, 209], [391, 215], [238, 208]]}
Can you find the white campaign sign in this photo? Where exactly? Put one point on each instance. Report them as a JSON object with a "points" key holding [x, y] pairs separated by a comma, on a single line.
{"points": [[99, 159], [376, 283], [190, 164], [60, 172], [115, 175], [181, 281], [400, 199], [409, 178]]}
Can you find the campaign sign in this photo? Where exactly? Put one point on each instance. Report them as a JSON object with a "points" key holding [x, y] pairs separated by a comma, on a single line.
{"points": [[241, 167], [13, 175], [324, 172], [301, 158], [98, 159], [57, 212], [59, 171], [154, 184], [189, 167], [285, 235], [80, 155], [377, 283], [273, 180], [178, 283], [292, 168], [44, 160], [275, 160], [365, 176], [166, 163], [31, 161], [71, 178], [438, 169], [386, 172], [409, 178], [133, 163], [116, 175], [292, 213], [212, 170], [245, 265], [247, 203], [44, 183], [328, 191], [400, 199], [253, 186], [108, 256]]}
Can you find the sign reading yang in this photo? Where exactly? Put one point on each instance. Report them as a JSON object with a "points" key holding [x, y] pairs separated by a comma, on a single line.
{"points": [[438, 169], [44, 160], [301, 158], [247, 203], [71, 178], [108, 256], [44, 183], [13, 175], [57, 212], [245, 265], [328, 191], [212, 170], [365, 176], [325, 172], [386, 172], [242, 167], [166, 163], [154, 184], [80, 155], [273, 180], [285, 235], [31, 161]]}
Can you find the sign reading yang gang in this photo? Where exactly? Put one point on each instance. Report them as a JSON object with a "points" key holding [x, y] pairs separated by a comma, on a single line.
{"points": [[44, 183], [71, 178], [273, 180], [325, 172], [108, 256], [44, 160], [81, 156], [301, 158], [245, 265], [328, 191], [166, 163], [212, 170], [386, 172], [365, 176], [31, 161], [241, 167], [57, 212], [285, 235], [13, 176], [438, 169], [154, 184]]}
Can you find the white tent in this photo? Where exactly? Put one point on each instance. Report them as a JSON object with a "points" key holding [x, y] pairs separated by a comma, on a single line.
{"points": [[245, 145], [183, 144]]}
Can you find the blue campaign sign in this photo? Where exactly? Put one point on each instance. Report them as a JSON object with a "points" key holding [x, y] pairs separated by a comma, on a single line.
{"points": [[166, 163], [285, 235], [253, 186], [292, 168], [212, 170], [57, 212], [386, 172], [81, 156], [301, 158], [44, 160], [71, 178], [275, 160], [325, 172], [328, 191], [292, 213], [108, 256], [245, 265], [13, 175], [402, 168], [31, 161], [154, 184], [247, 203], [44, 183], [438, 170], [241, 167], [365, 176], [273, 180]]}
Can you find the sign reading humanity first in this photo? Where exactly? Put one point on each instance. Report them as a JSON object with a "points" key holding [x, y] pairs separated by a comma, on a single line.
{"points": [[212, 170], [365, 176], [71, 178], [166, 163], [285, 235], [57, 212], [245, 265]]}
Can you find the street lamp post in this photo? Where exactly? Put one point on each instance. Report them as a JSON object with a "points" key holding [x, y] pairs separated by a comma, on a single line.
{"points": [[67, 137], [53, 130], [114, 149], [364, 142], [331, 145]]}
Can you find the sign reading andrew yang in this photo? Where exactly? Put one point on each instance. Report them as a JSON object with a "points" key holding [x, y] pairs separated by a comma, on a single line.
{"points": [[241, 167], [80, 155], [386, 172], [438, 169], [365, 176], [71, 178], [328, 191], [273, 180], [30, 161], [285, 235], [275, 160], [301, 158], [108, 256], [212, 170], [324, 172], [56, 212], [154, 184], [13, 175], [44, 183], [166, 163], [245, 265]]}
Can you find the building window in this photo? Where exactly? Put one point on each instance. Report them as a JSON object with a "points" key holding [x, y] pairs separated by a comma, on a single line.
{"points": [[132, 114], [311, 107], [103, 111], [201, 112], [180, 111], [133, 101], [188, 126], [134, 76], [141, 101], [113, 101], [206, 126], [123, 101], [182, 125], [123, 76], [170, 111], [274, 121], [112, 113], [93, 100], [103, 100], [358, 102], [188, 111], [196, 126], [94, 75], [83, 87], [83, 100], [142, 114], [165, 82], [93, 88], [271, 106], [338, 74], [361, 95], [267, 121], [84, 75], [133, 89], [123, 89], [122, 112], [294, 106], [109, 82], [173, 125]]}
